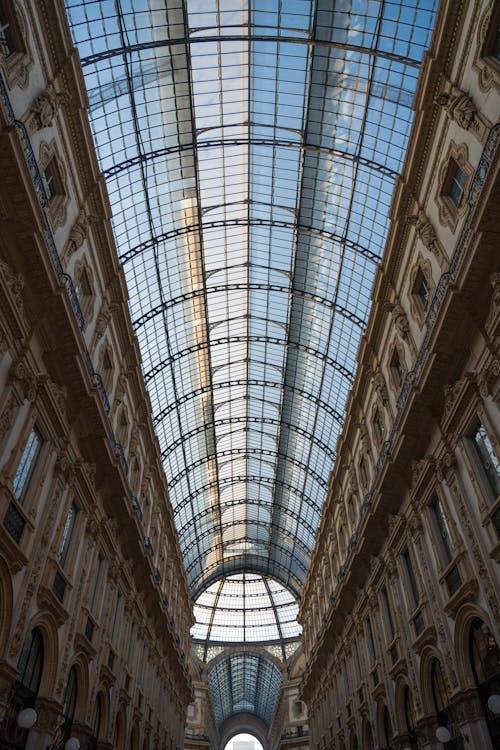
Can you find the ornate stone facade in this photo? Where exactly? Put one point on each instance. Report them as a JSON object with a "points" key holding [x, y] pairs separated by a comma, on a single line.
{"points": [[401, 620], [91, 577]]}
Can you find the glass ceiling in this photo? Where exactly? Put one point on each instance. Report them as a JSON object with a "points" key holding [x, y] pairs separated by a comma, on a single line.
{"points": [[250, 149], [244, 683], [246, 608]]}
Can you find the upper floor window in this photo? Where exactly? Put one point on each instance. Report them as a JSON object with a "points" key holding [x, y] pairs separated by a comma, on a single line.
{"points": [[388, 614], [363, 472], [455, 183], [83, 291], [69, 525], [52, 181], [397, 367], [379, 426], [30, 665], [491, 47], [412, 588], [442, 530], [26, 464], [96, 583], [422, 289], [371, 642], [487, 457], [7, 31]]}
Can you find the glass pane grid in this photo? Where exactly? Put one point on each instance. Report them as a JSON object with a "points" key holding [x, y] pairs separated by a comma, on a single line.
{"points": [[250, 173]]}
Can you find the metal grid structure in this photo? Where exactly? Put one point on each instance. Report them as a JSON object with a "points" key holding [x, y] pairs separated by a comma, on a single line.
{"points": [[246, 609], [244, 683], [251, 151]]}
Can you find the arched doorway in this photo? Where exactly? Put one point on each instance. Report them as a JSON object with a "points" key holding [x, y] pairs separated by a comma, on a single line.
{"points": [[96, 722], [25, 691], [441, 699], [410, 718], [69, 704], [244, 741], [484, 655]]}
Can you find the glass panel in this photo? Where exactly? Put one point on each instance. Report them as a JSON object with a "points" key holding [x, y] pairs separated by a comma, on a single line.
{"points": [[488, 458], [26, 464]]}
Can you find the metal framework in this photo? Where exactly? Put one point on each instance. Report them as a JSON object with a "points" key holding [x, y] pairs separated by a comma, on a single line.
{"points": [[246, 609], [250, 152], [244, 683]]}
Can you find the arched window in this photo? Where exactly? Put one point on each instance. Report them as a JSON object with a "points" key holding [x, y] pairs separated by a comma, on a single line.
{"points": [[367, 736], [69, 703], [386, 728], [97, 717], [485, 663], [440, 693], [484, 653], [31, 663], [409, 711]]}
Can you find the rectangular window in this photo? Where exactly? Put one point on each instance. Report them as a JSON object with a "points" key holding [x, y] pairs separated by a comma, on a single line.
{"points": [[458, 179], [412, 581], [487, 457], [96, 583], [379, 426], [442, 530], [115, 616], [51, 181], [7, 40], [397, 368], [388, 614], [371, 643], [67, 533], [26, 464]]}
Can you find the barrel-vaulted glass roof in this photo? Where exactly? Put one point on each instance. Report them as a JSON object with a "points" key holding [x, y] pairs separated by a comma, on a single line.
{"points": [[244, 683], [250, 149]]}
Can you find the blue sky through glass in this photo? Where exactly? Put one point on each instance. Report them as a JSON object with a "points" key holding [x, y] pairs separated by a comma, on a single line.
{"points": [[250, 152]]}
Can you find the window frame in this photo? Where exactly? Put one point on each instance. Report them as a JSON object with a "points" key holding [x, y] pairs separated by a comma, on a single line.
{"points": [[21, 496]]}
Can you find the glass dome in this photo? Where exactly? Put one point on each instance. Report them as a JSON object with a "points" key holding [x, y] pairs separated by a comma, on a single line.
{"points": [[246, 608]]}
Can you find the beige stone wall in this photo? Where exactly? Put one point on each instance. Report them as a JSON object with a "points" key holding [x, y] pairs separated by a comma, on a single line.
{"points": [[290, 728], [110, 599], [408, 463]]}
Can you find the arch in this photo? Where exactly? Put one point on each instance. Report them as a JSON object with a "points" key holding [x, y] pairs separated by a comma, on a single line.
{"points": [[463, 623], [100, 715], [367, 735], [243, 723], [120, 729], [82, 678], [45, 622], [254, 649], [429, 678], [134, 737], [96, 720], [384, 725], [69, 703], [31, 662], [405, 708], [6, 604]]}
